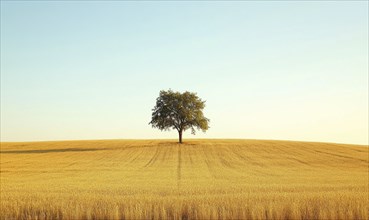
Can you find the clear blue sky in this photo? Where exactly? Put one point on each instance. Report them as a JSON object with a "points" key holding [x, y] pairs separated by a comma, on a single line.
{"points": [[268, 70]]}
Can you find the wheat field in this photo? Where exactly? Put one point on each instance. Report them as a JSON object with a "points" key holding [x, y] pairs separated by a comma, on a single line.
{"points": [[200, 179]]}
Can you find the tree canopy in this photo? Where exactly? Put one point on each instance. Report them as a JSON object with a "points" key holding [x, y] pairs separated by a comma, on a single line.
{"points": [[180, 111]]}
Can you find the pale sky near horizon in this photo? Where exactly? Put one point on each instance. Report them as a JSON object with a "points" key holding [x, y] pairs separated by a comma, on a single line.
{"points": [[282, 70]]}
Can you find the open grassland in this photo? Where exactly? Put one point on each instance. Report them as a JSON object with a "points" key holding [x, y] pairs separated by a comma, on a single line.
{"points": [[200, 179]]}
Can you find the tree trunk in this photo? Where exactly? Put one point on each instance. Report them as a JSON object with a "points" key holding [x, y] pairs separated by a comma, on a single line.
{"points": [[180, 136]]}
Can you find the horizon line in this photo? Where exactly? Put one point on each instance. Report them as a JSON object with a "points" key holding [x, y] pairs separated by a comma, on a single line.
{"points": [[188, 139]]}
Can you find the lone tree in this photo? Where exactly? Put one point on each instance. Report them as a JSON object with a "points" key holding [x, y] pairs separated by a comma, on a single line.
{"points": [[180, 111]]}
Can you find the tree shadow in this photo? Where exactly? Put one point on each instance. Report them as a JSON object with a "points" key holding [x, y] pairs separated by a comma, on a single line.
{"points": [[50, 151], [171, 143]]}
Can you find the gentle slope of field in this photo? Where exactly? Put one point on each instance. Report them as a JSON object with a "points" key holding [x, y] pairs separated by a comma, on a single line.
{"points": [[200, 179]]}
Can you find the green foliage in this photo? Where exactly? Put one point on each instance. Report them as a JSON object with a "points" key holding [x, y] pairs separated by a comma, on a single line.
{"points": [[180, 111]]}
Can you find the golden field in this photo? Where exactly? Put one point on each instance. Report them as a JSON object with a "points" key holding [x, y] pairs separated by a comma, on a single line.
{"points": [[200, 179]]}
